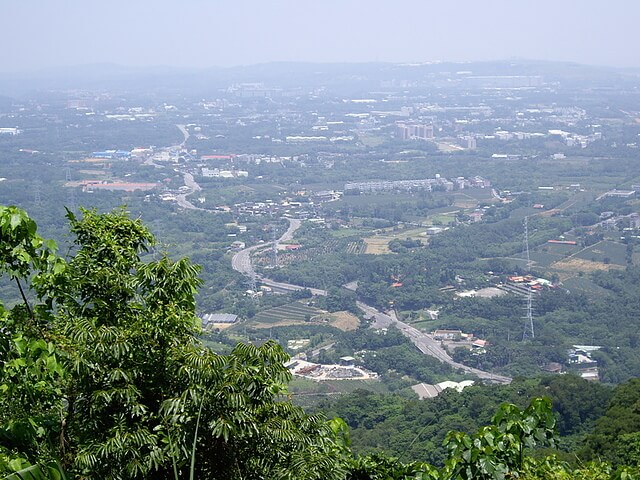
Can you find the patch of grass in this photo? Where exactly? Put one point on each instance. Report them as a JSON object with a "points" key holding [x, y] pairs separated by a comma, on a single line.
{"points": [[561, 250], [344, 321], [427, 325], [442, 219], [289, 314], [584, 284], [545, 259], [349, 232], [606, 252], [379, 244], [308, 393]]}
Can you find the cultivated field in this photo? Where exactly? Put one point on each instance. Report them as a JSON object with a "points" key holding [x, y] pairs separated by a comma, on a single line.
{"points": [[603, 251], [344, 321], [297, 313], [585, 285], [575, 264], [379, 244], [290, 314], [356, 247]]}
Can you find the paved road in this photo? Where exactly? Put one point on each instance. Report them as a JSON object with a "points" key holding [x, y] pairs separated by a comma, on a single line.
{"points": [[294, 224], [241, 262], [185, 134], [425, 343], [190, 182]]}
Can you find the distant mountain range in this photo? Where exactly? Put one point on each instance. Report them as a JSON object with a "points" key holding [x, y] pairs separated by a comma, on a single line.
{"points": [[285, 74]]}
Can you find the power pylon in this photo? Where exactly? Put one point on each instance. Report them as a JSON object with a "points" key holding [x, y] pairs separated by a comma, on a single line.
{"points": [[528, 333]]}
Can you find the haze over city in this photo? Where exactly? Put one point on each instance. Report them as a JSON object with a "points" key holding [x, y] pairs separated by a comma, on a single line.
{"points": [[203, 34]]}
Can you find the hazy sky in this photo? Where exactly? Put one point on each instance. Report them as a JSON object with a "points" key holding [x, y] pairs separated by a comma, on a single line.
{"points": [[200, 33]]}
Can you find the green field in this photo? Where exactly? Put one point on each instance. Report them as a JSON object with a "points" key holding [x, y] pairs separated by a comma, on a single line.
{"points": [[606, 252], [304, 386], [544, 259], [308, 393], [559, 249], [585, 285], [350, 232], [427, 325], [442, 219], [292, 312]]}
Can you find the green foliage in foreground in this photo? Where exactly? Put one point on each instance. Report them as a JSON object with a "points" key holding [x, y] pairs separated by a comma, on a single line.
{"points": [[103, 377]]}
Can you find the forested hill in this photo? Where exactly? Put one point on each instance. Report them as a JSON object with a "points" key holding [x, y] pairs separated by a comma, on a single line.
{"points": [[103, 376], [593, 421]]}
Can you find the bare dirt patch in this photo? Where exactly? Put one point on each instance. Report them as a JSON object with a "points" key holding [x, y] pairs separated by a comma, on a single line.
{"points": [[550, 213], [582, 265], [490, 292], [344, 321], [221, 326], [377, 245]]}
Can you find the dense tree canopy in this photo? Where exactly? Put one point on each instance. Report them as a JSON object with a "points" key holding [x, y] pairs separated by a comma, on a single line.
{"points": [[105, 375]]}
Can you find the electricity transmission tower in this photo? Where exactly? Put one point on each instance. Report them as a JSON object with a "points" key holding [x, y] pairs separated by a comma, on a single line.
{"points": [[71, 192], [37, 199], [528, 333], [274, 250]]}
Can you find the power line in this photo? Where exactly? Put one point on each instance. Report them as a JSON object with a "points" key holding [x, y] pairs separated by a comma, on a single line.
{"points": [[37, 199], [274, 250], [528, 333], [71, 191]]}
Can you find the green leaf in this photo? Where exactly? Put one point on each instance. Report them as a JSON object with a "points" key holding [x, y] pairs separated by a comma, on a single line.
{"points": [[16, 219]]}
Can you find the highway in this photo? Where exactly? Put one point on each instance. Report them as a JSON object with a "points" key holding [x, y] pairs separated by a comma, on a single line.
{"points": [[241, 262], [190, 182], [426, 343], [185, 134]]}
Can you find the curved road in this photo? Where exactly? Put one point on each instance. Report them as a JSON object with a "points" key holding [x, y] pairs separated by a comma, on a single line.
{"points": [[241, 262], [181, 199], [425, 343]]}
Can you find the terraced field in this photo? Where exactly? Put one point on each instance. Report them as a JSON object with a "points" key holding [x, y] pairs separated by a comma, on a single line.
{"points": [[357, 247]]}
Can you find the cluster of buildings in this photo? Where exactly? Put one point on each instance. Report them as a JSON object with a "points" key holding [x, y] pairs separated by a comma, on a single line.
{"points": [[212, 321], [427, 184], [112, 154], [346, 370], [414, 131], [452, 339], [426, 390], [218, 173], [580, 362]]}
